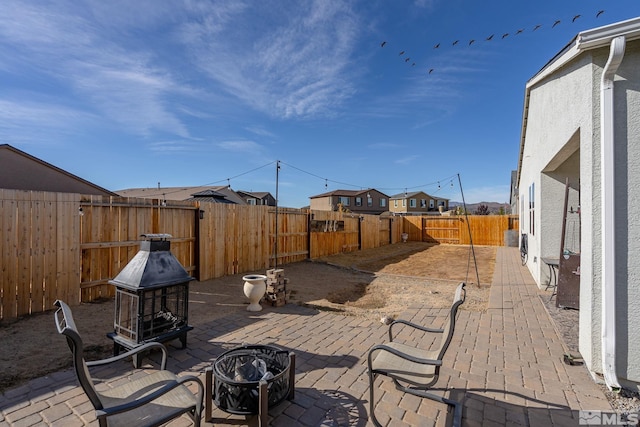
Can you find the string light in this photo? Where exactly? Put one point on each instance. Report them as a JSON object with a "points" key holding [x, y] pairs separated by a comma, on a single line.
{"points": [[421, 187]]}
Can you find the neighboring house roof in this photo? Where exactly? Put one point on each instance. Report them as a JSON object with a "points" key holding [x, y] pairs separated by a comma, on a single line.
{"points": [[22, 171], [338, 193], [257, 195], [211, 196], [180, 193], [347, 193], [581, 43], [413, 194]]}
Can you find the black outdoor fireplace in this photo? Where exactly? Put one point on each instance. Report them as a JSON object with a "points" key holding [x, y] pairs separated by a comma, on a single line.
{"points": [[152, 297]]}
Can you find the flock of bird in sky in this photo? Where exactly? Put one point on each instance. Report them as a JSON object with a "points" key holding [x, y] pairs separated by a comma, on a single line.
{"points": [[407, 58]]}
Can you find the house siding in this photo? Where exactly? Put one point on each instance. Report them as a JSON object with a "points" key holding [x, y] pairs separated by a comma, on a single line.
{"points": [[321, 204], [627, 93], [564, 113], [330, 201], [560, 110], [547, 133], [406, 208]]}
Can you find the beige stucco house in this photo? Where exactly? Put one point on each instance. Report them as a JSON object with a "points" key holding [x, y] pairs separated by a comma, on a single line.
{"points": [[417, 203], [369, 201], [577, 183]]}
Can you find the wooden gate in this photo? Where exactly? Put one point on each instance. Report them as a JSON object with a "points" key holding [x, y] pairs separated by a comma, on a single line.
{"points": [[441, 230], [110, 229]]}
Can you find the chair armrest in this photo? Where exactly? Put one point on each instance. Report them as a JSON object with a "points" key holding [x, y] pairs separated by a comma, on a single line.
{"points": [[132, 352], [200, 395], [413, 325], [382, 347], [153, 396]]}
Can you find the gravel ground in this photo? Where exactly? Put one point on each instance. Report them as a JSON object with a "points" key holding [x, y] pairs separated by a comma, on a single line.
{"points": [[566, 321]]}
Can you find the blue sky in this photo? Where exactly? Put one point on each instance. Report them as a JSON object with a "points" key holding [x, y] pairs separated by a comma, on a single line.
{"points": [[185, 93]]}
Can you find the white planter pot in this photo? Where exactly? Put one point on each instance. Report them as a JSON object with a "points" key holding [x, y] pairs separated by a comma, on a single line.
{"points": [[255, 285]]}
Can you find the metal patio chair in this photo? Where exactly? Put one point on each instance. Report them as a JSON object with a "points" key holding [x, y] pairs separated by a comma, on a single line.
{"points": [[415, 370], [147, 400]]}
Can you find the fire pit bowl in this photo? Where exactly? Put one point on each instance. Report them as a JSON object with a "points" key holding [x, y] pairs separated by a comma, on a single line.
{"points": [[248, 380]]}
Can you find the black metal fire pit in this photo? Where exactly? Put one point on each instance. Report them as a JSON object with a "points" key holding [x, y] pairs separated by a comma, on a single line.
{"points": [[152, 298], [248, 380]]}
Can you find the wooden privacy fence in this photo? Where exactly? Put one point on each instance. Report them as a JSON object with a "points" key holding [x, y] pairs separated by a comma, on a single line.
{"points": [[40, 251], [485, 229], [68, 246], [236, 239], [110, 230], [335, 232]]}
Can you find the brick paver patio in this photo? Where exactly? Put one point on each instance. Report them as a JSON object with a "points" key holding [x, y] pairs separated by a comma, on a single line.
{"points": [[504, 364]]}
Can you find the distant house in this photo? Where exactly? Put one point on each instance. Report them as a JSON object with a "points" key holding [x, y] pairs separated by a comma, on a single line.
{"points": [[259, 198], [370, 201], [416, 203], [210, 196], [577, 182], [215, 194], [22, 171]]}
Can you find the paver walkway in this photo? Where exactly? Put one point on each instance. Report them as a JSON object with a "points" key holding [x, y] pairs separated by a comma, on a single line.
{"points": [[504, 365]]}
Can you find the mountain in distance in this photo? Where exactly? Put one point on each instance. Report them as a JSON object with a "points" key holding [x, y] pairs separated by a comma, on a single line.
{"points": [[494, 207]]}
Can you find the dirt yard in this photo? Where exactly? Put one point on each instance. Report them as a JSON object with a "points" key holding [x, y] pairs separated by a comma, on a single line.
{"points": [[372, 283]]}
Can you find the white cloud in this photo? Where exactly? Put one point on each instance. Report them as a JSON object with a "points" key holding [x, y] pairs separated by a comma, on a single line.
{"points": [[242, 146], [92, 60], [428, 98], [177, 146], [424, 3], [128, 62], [32, 121], [260, 131], [406, 160], [134, 98], [285, 64]]}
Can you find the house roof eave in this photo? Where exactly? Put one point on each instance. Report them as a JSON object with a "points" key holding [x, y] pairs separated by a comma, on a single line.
{"points": [[57, 169], [583, 41]]}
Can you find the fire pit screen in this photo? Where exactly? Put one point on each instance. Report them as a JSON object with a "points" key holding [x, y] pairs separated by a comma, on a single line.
{"points": [[250, 379], [152, 297], [161, 310]]}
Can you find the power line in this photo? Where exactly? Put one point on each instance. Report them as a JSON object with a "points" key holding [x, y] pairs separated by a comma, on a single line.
{"points": [[326, 180], [322, 178], [177, 190], [437, 182]]}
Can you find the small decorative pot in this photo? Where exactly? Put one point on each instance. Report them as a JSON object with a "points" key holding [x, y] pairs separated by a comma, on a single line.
{"points": [[255, 285]]}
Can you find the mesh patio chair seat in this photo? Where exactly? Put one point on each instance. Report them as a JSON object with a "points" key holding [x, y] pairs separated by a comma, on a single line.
{"points": [[149, 399], [414, 370]]}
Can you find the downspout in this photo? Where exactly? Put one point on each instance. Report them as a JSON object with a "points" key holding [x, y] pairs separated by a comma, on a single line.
{"points": [[607, 142]]}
